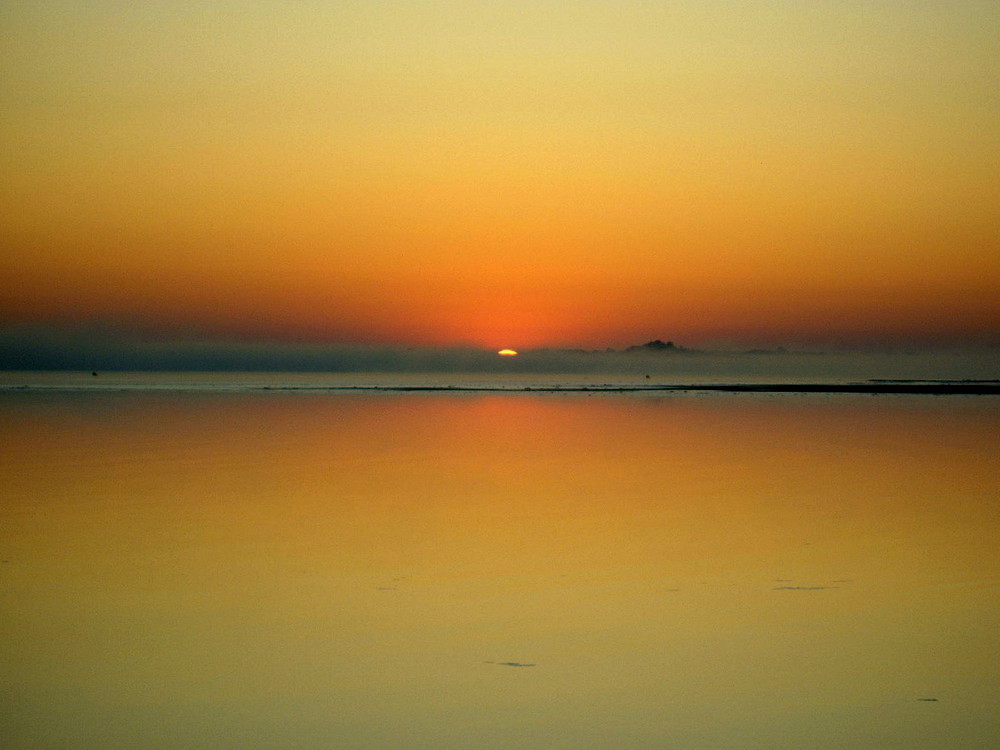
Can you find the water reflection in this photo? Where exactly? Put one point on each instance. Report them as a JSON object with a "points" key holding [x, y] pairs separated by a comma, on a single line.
{"points": [[286, 570]]}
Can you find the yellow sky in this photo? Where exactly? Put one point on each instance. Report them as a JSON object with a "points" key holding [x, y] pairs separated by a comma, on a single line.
{"points": [[504, 173]]}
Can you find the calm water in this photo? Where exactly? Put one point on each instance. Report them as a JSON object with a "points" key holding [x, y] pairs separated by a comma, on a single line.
{"points": [[296, 570]]}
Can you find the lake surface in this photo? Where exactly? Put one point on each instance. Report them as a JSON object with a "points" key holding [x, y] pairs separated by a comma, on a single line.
{"points": [[205, 569]]}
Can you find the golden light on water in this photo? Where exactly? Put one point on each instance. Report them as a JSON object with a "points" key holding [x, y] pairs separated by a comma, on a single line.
{"points": [[507, 353], [698, 571]]}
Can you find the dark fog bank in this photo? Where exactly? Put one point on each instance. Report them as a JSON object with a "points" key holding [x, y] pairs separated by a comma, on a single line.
{"points": [[37, 349]]}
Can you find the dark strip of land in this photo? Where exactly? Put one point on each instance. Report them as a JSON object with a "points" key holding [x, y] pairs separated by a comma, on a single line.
{"points": [[971, 389], [966, 388]]}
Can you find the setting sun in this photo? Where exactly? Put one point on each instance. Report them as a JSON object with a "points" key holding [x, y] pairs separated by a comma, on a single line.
{"points": [[507, 353]]}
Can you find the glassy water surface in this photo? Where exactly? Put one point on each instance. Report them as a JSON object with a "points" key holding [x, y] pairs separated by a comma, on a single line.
{"points": [[337, 570]]}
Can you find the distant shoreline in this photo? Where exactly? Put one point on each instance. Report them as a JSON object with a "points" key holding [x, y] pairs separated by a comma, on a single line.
{"points": [[874, 387]]}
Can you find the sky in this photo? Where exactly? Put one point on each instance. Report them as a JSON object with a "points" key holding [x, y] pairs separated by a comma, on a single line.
{"points": [[492, 174]]}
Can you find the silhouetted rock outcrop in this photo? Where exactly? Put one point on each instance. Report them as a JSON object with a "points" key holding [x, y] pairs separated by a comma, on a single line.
{"points": [[656, 346]]}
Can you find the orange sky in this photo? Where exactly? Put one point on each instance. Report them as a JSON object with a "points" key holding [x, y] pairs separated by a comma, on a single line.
{"points": [[504, 174]]}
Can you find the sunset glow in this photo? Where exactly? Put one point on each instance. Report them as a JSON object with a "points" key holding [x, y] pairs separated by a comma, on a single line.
{"points": [[507, 353], [557, 174]]}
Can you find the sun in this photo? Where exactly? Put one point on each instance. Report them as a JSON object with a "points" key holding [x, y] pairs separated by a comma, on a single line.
{"points": [[507, 353]]}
